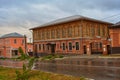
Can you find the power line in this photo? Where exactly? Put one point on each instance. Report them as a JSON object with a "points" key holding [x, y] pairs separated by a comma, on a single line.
{"points": [[110, 16]]}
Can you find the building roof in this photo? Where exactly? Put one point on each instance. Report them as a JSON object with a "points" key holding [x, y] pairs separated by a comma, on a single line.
{"points": [[117, 25], [12, 35], [68, 19]]}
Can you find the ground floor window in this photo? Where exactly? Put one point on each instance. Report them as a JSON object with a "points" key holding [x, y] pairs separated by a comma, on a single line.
{"points": [[14, 52], [97, 45], [70, 46], [39, 46], [63, 46], [77, 45], [47, 47], [43, 47]]}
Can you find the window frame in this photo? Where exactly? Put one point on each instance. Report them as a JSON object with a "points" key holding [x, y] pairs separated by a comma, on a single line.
{"points": [[77, 46], [70, 46]]}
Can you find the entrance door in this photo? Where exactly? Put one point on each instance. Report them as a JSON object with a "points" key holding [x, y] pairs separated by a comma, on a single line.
{"points": [[84, 47], [53, 48], [109, 49]]}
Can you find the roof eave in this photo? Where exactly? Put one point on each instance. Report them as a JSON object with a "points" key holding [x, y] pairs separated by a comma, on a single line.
{"points": [[81, 18]]}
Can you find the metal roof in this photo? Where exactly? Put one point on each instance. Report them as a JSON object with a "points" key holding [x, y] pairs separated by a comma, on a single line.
{"points": [[12, 35], [68, 19], [117, 24]]}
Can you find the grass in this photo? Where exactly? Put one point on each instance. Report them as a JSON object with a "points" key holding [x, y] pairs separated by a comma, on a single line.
{"points": [[9, 74]]}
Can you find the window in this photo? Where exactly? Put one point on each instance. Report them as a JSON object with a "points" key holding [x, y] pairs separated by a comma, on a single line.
{"points": [[52, 34], [80, 31], [77, 45], [100, 45], [98, 30], [63, 46], [97, 45], [103, 31], [15, 41], [69, 31], [43, 46], [47, 47], [43, 35], [58, 33], [93, 31], [39, 35], [22, 41], [39, 46], [48, 34], [63, 32], [70, 46]]}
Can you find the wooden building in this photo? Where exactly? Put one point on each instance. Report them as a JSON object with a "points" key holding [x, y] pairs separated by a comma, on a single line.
{"points": [[72, 35], [115, 37]]}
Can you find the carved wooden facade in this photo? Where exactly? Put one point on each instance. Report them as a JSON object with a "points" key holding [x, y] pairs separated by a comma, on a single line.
{"points": [[73, 37]]}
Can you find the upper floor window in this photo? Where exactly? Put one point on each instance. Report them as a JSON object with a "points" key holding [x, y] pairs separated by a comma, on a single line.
{"points": [[80, 31], [69, 31], [15, 41], [52, 34], [98, 30], [63, 32], [43, 35], [58, 33], [103, 31], [48, 34], [76, 31], [92, 30], [23, 41]]}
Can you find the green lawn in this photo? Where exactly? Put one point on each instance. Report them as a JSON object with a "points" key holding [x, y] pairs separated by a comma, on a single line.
{"points": [[9, 74]]}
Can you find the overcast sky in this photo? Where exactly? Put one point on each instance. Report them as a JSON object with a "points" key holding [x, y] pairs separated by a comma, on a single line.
{"points": [[21, 15]]}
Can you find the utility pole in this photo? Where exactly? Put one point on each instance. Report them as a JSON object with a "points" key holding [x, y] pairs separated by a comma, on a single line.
{"points": [[25, 44]]}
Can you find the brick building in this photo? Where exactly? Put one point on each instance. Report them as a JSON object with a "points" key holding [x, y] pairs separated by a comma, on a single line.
{"points": [[9, 44], [115, 37], [30, 49], [72, 35]]}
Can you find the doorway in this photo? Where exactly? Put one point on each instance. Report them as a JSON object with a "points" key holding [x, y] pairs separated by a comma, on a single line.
{"points": [[109, 49], [84, 47], [53, 48]]}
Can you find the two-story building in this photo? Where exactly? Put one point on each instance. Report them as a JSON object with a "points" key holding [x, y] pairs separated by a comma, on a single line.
{"points": [[10, 43], [72, 35], [115, 37]]}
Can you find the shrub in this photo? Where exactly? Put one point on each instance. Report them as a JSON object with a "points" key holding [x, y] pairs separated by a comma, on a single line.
{"points": [[25, 74]]}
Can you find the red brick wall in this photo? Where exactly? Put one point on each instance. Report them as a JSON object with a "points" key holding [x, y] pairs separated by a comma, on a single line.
{"points": [[8, 43], [115, 36]]}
